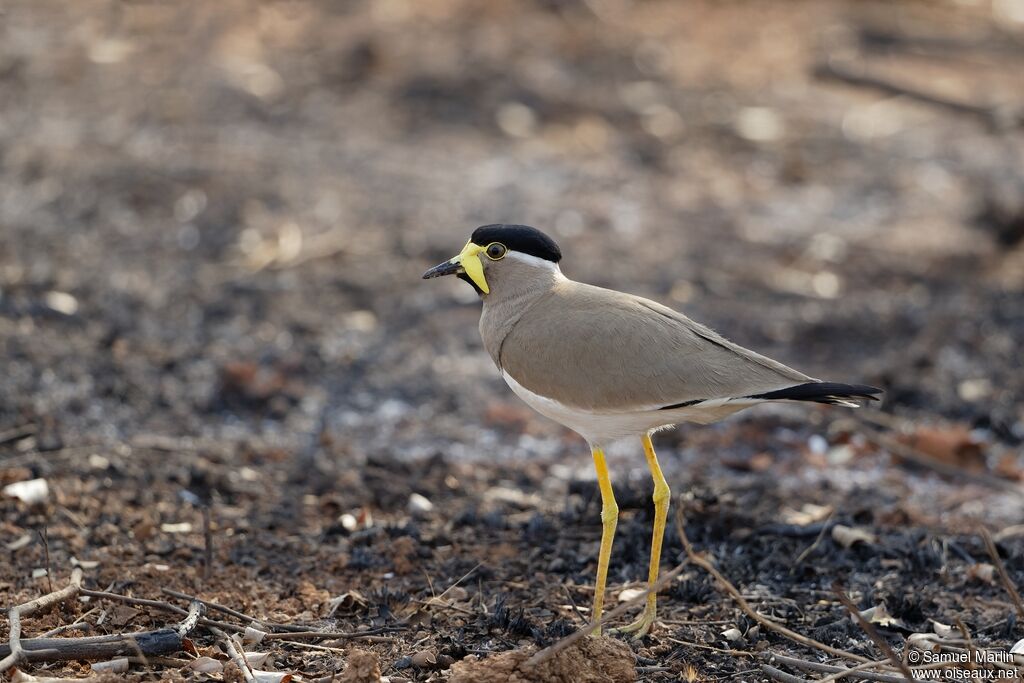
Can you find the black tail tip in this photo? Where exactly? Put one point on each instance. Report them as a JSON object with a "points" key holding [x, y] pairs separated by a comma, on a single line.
{"points": [[833, 393]]}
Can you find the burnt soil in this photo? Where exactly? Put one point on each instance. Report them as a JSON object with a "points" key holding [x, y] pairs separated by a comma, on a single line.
{"points": [[213, 220]]}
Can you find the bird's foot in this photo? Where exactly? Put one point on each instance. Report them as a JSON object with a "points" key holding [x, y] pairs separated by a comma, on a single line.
{"points": [[641, 627]]}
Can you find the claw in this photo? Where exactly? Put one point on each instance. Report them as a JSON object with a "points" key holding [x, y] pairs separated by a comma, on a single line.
{"points": [[639, 628]]}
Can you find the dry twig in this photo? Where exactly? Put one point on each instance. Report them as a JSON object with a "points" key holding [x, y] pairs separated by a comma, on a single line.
{"points": [[15, 433], [872, 632], [974, 659], [44, 536], [922, 459], [703, 563], [207, 543], [161, 605], [143, 644], [214, 606], [861, 671], [195, 610], [17, 653], [999, 119], [993, 552], [825, 528], [248, 619], [839, 672], [333, 635], [237, 657], [781, 676], [235, 628]]}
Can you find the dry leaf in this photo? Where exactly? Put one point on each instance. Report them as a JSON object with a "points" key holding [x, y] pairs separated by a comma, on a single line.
{"points": [[121, 615], [847, 536], [420, 617], [22, 677], [206, 665], [84, 564], [456, 594], [924, 641], [424, 659], [257, 658], [982, 572], [271, 676], [628, 594], [955, 444], [253, 635], [362, 666], [311, 597], [732, 635], [879, 614], [20, 542], [404, 555], [351, 601], [809, 513], [1008, 532]]}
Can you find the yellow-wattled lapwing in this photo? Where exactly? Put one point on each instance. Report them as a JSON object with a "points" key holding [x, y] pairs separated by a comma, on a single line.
{"points": [[610, 365]]}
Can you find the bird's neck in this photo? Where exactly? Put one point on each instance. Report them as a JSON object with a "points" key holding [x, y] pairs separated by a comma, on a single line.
{"points": [[505, 305]]}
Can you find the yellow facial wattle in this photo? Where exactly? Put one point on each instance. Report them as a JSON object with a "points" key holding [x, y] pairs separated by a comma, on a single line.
{"points": [[469, 259]]}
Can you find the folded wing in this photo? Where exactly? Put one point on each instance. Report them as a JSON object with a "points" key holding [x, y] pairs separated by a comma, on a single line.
{"points": [[605, 351]]}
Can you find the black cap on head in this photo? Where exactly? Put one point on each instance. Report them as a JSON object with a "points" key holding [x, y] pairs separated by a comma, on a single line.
{"points": [[521, 238]]}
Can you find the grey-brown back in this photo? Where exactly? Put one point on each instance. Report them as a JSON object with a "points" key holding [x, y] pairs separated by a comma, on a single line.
{"points": [[602, 350]]}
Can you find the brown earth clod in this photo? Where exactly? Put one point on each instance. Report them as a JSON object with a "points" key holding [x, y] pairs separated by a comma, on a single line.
{"points": [[592, 660]]}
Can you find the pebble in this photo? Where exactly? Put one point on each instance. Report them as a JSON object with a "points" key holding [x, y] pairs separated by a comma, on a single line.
{"points": [[419, 504]]}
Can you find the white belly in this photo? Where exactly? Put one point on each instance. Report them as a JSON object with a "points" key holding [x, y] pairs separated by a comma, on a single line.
{"points": [[601, 428]]}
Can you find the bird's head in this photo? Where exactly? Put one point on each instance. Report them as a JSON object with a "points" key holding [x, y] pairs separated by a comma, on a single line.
{"points": [[497, 255]]}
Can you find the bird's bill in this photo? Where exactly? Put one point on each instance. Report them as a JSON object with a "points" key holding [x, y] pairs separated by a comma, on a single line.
{"points": [[468, 262]]}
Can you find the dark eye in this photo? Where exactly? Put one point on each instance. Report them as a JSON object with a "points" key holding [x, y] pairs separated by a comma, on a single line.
{"points": [[495, 251]]}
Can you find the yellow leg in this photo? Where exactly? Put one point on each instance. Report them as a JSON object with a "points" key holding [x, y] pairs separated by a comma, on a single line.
{"points": [[609, 518], [661, 502]]}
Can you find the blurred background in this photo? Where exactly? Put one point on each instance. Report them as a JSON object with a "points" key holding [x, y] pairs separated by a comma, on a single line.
{"points": [[214, 217]]}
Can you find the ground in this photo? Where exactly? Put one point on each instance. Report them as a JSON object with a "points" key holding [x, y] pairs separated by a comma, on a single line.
{"points": [[213, 221]]}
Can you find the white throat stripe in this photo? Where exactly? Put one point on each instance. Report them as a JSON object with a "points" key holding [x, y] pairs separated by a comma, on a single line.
{"points": [[533, 260]]}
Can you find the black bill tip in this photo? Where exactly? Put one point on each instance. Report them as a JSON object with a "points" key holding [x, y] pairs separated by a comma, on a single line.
{"points": [[441, 269]]}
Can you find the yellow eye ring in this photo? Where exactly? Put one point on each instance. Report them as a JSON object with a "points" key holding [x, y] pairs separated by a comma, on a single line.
{"points": [[496, 251]]}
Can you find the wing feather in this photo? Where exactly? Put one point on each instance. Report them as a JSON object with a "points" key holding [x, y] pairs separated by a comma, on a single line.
{"points": [[601, 350]]}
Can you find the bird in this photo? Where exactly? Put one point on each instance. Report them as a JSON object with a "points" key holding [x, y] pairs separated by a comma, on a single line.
{"points": [[610, 366]]}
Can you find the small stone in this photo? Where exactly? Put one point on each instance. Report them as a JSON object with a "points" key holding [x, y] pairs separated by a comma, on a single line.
{"points": [[759, 124], [516, 120], [348, 522], [419, 505], [973, 390], [31, 492], [61, 302]]}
